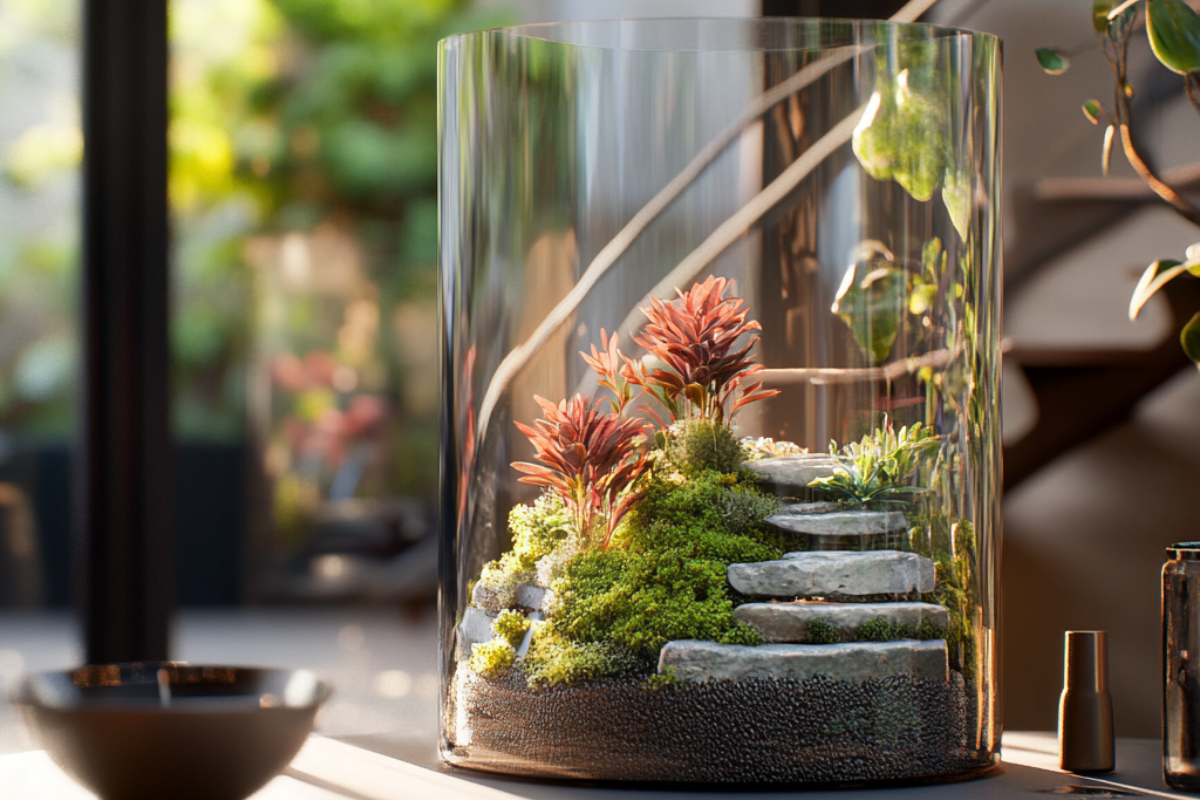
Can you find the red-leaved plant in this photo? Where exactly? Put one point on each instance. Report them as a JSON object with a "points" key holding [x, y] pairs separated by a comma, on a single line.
{"points": [[695, 371], [590, 458]]}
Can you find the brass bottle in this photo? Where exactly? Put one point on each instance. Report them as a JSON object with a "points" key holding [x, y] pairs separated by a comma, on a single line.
{"points": [[1085, 718]]}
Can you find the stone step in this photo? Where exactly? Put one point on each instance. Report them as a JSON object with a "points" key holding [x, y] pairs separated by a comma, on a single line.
{"points": [[836, 575], [700, 662], [797, 470], [826, 526], [816, 519], [475, 628], [788, 622]]}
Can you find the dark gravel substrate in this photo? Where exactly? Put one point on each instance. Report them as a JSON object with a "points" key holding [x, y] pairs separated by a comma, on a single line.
{"points": [[758, 731]]}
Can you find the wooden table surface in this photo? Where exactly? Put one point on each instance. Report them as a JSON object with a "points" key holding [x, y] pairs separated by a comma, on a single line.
{"points": [[328, 769]]}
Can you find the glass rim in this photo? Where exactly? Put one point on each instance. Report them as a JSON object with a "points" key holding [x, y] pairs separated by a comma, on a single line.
{"points": [[1184, 551], [531, 30]]}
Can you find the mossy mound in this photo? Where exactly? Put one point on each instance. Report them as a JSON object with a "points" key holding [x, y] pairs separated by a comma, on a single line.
{"points": [[666, 579], [698, 445]]}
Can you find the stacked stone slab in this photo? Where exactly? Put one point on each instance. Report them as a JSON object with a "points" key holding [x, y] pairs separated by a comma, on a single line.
{"points": [[851, 575], [821, 586], [816, 521]]}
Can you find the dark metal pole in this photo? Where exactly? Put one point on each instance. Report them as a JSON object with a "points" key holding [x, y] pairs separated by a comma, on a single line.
{"points": [[122, 474]]}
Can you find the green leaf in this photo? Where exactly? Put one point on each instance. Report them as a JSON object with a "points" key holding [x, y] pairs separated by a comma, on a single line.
{"points": [[1174, 33], [1052, 61], [1190, 339], [1100, 11], [956, 197], [1156, 276], [872, 307], [1092, 110], [1106, 156]]}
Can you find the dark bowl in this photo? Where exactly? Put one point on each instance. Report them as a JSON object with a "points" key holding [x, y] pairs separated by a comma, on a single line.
{"points": [[164, 730]]}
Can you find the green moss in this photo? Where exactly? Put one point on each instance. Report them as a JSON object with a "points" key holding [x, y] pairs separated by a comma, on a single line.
{"points": [[492, 659], [821, 632], [713, 515], [639, 601], [553, 659], [538, 530], [876, 630], [511, 626], [667, 581], [697, 445], [662, 680]]}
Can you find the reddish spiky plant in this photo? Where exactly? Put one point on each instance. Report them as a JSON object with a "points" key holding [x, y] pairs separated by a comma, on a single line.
{"points": [[589, 458], [614, 370], [692, 339]]}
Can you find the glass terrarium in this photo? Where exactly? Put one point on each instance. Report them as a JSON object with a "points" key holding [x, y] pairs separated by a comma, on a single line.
{"points": [[720, 442]]}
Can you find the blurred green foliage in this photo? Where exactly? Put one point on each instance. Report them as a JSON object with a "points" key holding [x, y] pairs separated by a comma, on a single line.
{"points": [[286, 116]]}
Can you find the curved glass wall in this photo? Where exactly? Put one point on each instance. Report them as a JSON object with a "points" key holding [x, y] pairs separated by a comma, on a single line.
{"points": [[720, 461]]}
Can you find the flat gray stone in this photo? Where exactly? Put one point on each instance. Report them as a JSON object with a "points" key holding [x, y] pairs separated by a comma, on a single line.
{"points": [[491, 598], [836, 574], [818, 507], [532, 596], [788, 622], [475, 628], [700, 662], [838, 523], [799, 469]]}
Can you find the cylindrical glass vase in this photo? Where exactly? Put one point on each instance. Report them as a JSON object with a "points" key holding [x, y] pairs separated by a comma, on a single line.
{"points": [[720, 443]]}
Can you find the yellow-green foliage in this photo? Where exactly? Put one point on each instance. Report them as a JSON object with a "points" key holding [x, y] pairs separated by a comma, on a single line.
{"points": [[553, 659], [511, 625], [493, 658], [956, 591], [536, 530]]}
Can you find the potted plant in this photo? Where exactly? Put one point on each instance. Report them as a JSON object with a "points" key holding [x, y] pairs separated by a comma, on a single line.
{"points": [[1173, 31]]}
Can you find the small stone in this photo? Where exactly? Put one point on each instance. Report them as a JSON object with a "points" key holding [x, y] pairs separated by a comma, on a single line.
{"points": [[838, 523], [532, 596], [700, 662], [491, 598], [836, 574], [799, 469], [788, 622], [475, 628]]}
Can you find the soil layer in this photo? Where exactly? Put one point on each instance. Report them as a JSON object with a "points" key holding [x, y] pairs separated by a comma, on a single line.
{"points": [[818, 731]]}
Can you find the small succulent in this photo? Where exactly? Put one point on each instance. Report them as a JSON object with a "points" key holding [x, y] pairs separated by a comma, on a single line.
{"points": [[590, 458], [766, 447], [878, 469], [692, 367]]}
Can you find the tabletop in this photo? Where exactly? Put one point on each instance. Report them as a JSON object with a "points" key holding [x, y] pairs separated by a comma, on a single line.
{"points": [[329, 769]]}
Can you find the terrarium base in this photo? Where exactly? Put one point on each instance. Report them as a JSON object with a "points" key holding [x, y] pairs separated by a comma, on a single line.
{"points": [[816, 731]]}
